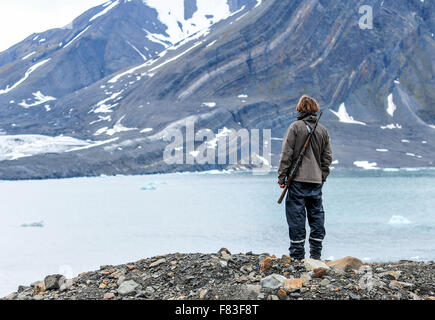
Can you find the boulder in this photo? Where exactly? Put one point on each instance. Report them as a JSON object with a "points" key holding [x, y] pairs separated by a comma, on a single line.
{"points": [[345, 264], [109, 296], [265, 265], [311, 264], [285, 259], [66, 285], [128, 287], [274, 281], [319, 272], [293, 284], [53, 282], [253, 291]]}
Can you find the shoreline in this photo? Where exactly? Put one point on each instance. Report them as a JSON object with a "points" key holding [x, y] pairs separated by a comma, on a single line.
{"points": [[224, 171], [243, 276]]}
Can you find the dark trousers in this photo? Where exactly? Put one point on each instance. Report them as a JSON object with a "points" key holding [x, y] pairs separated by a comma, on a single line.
{"points": [[305, 199]]}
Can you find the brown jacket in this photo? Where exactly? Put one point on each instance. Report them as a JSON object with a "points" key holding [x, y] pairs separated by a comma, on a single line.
{"points": [[318, 157]]}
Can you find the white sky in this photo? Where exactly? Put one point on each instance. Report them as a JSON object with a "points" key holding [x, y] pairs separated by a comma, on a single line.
{"points": [[21, 18]]}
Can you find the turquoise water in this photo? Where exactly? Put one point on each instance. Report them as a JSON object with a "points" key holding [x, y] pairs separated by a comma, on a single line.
{"points": [[87, 222]]}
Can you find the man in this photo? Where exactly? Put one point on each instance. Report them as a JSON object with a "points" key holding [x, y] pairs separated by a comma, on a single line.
{"points": [[305, 190]]}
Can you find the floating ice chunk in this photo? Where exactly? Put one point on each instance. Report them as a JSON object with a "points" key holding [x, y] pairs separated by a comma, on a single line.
{"points": [[397, 81], [209, 104], [242, 96], [335, 162], [344, 117], [39, 224], [366, 165], [405, 141], [391, 106], [410, 154], [382, 150], [395, 220], [258, 3]]}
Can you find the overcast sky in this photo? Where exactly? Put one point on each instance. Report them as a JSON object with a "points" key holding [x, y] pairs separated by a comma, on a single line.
{"points": [[20, 18]]}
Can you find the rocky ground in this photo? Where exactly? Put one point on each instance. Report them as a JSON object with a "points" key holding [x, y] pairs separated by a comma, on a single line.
{"points": [[240, 276]]}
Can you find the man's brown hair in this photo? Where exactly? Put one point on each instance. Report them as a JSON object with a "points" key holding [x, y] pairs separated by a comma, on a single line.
{"points": [[307, 105]]}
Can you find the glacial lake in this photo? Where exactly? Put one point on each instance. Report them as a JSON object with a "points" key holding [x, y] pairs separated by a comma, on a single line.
{"points": [[73, 225]]}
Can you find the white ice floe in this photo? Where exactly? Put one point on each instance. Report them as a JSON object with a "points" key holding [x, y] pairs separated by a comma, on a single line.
{"points": [[26, 75], [258, 3], [40, 98], [432, 126], [366, 165], [405, 141], [398, 220], [344, 117], [242, 96], [335, 162], [77, 36], [396, 81], [28, 56], [13, 147], [390, 169], [424, 142], [104, 11], [47, 107], [392, 126], [382, 150], [146, 130], [209, 104], [410, 154], [391, 106]]}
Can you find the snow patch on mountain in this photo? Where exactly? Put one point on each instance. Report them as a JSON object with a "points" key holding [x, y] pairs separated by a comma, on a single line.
{"points": [[391, 106], [344, 117], [40, 98], [171, 14], [26, 75], [107, 9], [77, 36]]}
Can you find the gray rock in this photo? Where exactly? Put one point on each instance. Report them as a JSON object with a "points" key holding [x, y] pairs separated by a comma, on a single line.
{"points": [[274, 281], [128, 287], [149, 290], [311, 264], [325, 282], [253, 291], [66, 285], [53, 282], [121, 279]]}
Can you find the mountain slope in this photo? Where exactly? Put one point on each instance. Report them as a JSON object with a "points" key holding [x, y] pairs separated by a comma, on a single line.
{"points": [[248, 71]]}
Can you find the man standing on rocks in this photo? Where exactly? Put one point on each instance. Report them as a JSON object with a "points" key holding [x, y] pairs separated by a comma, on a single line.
{"points": [[304, 197]]}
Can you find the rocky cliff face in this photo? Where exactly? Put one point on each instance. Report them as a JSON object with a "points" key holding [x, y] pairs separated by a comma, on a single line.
{"points": [[245, 68]]}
